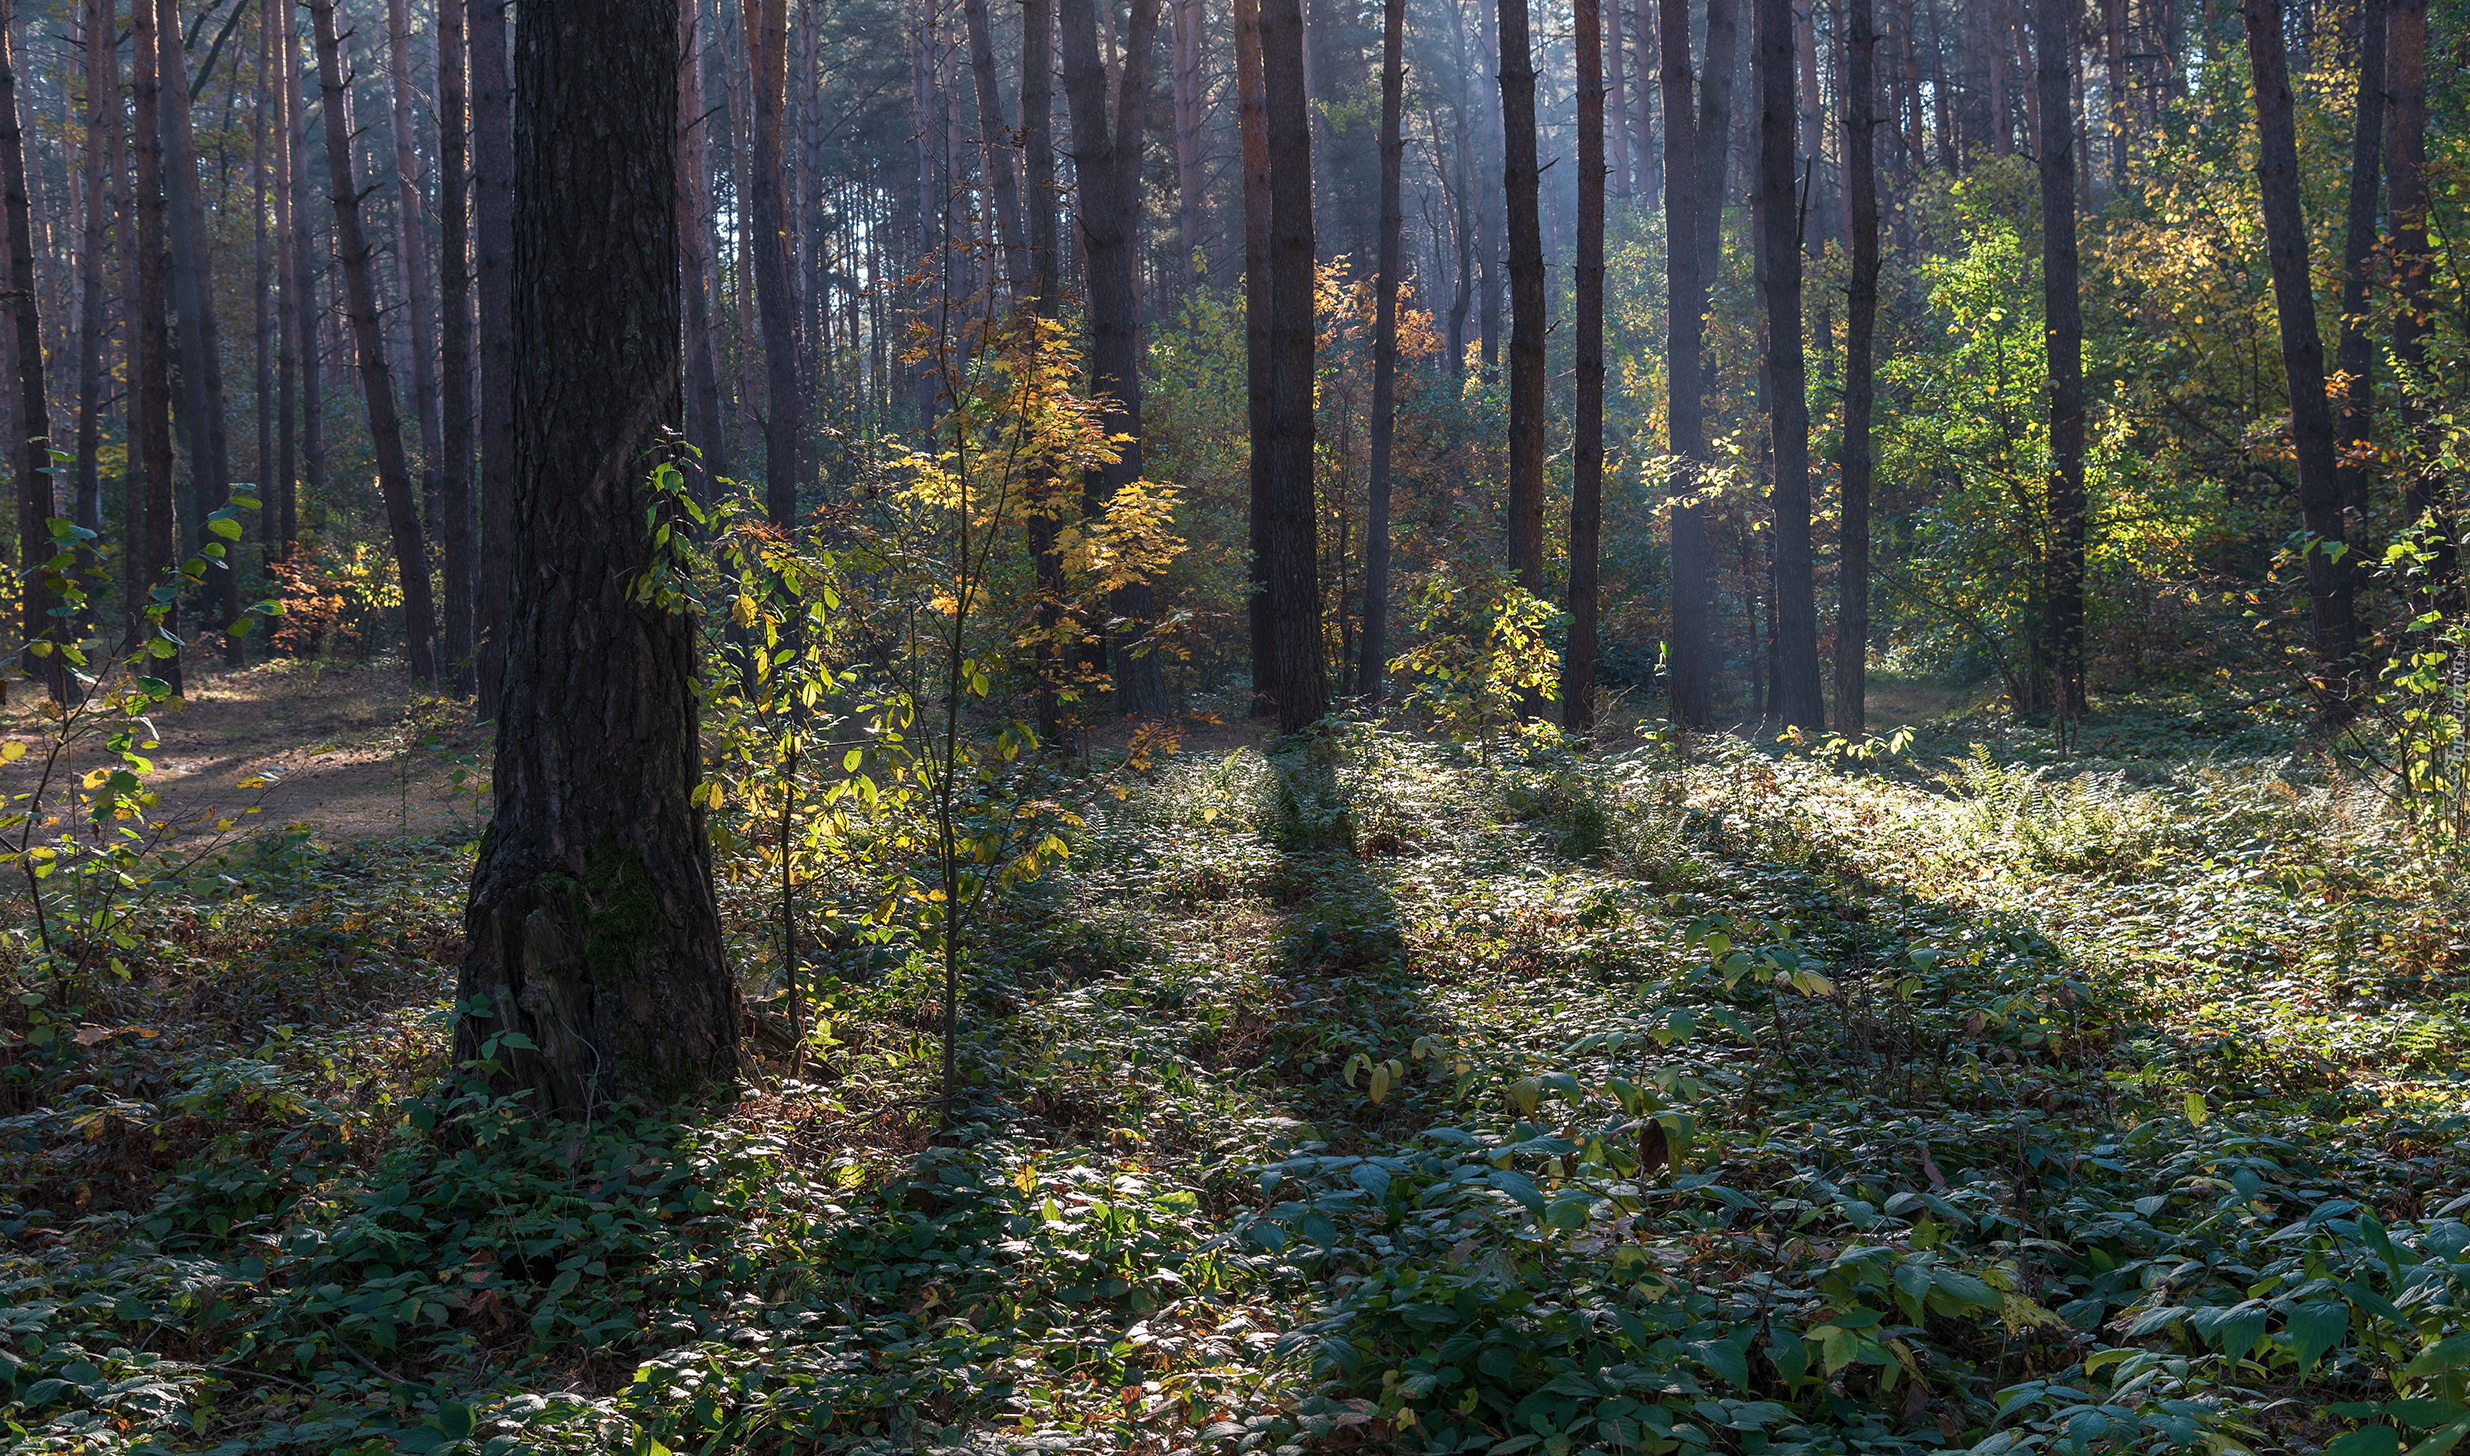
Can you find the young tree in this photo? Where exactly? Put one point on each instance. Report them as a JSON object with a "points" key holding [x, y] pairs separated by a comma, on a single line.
{"points": [[376, 378], [591, 927], [493, 248], [454, 476], [1384, 353], [2302, 359], [2063, 322], [1520, 182], [1108, 160], [1298, 681], [1852, 615], [1586, 511], [767, 50], [1797, 701]]}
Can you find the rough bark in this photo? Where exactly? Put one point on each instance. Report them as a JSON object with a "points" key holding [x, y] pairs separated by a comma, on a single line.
{"points": [[767, 52], [1695, 150], [412, 260], [306, 315], [1299, 677], [1252, 125], [591, 927], [1797, 700], [377, 385], [1391, 279], [703, 407], [493, 246], [1852, 613], [1520, 185], [2063, 321], [29, 454], [2358, 348], [1108, 160], [261, 282], [2302, 358], [150, 394], [1586, 511], [200, 377], [454, 234], [102, 127]]}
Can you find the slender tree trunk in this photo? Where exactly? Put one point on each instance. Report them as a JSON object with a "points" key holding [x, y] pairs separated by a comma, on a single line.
{"points": [[1462, 200], [2302, 358], [1189, 115], [102, 127], [1041, 284], [1108, 163], [2358, 347], [2114, 104], [261, 281], [1695, 152], [2063, 317], [278, 491], [201, 349], [1384, 353], [1252, 125], [703, 406], [1520, 183], [1852, 615], [1617, 127], [151, 390], [1797, 701], [1586, 512], [767, 51], [454, 477], [591, 926], [412, 261], [2413, 274], [1299, 676], [493, 248], [995, 141], [29, 454], [376, 379], [307, 316], [1488, 208], [1650, 161]]}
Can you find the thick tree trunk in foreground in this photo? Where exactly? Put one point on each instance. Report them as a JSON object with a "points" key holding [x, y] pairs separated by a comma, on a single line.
{"points": [[1299, 677], [1586, 511], [1109, 160], [493, 249], [30, 454], [1252, 124], [2302, 359], [376, 379], [2063, 321], [1852, 613], [454, 474], [201, 349], [767, 50], [1797, 700], [591, 927], [1521, 183], [2358, 346], [1384, 354]]}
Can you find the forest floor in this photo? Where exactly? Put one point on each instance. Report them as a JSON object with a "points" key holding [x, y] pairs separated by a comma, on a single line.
{"points": [[1358, 1093]]}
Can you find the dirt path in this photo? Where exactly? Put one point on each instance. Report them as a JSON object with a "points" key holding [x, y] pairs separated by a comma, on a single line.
{"points": [[346, 751]]}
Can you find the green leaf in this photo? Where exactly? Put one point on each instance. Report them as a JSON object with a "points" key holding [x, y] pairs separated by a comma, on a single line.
{"points": [[224, 526], [2314, 1329], [2439, 1357], [2366, 1441], [1520, 1187]]}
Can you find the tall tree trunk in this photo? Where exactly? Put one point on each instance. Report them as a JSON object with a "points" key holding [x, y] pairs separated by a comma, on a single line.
{"points": [[995, 142], [201, 348], [1252, 125], [1797, 701], [1108, 161], [1188, 88], [591, 926], [1461, 196], [1488, 208], [1384, 353], [412, 259], [2063, 322], [2302, 358], [1852, 613], [2413, 272], [1520, 184], [2114, 104], [1586, 511], [30, 453], [376, 379], [261, 281], [703, 406], [153, 560], [102, 128], [278, 490], [1299, 676], [2358, 347], [767, 51], [1617, 126], [1695, 151], [1650, 161], [307, 316], [493, 250], [454, 476], [1041, 283]]}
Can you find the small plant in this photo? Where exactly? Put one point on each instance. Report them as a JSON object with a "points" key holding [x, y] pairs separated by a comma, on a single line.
{"points": [[1486, 658]]}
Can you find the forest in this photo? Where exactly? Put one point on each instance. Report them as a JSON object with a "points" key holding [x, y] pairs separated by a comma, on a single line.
{"points": [[1698, 727]]}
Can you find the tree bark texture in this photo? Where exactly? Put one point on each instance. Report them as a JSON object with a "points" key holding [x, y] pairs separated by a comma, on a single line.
{"points": [[376, 378], [1189, 86], [2302, 358], [102, 126], [591, 926], [704, 430], [1384, 353], [1299, 675], [1521, 185], [151, 391], [2063, 323], [412, 261], [2413, 265], [2358, 347], [493, 246], [1797, 701], [1852, 613], [30, 453], [1586, 510], [200, 340], [454, 475], [1041, 283], [1252, 126], [767, 52], [1696, 145], [995, 140], [306, 315]]}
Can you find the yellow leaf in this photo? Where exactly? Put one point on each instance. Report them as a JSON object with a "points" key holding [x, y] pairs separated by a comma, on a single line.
{"points": [[11, 752], [742, 611], [1380, 1084], [94, 779]]}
